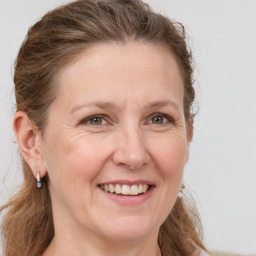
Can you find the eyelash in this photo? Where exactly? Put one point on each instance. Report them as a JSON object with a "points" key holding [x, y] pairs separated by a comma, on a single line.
{"points": [[169, 118], [87, 119], [103, 117]]}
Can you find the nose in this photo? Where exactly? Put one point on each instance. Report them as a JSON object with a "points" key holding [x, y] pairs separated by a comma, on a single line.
{"points": [[131, 150]]}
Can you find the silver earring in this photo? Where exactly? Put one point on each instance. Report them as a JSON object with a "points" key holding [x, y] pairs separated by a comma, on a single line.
{"points": [[182, 187], [39, 182]]}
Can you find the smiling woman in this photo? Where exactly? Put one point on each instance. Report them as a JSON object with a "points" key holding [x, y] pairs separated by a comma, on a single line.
{"points": [[103, 123]]}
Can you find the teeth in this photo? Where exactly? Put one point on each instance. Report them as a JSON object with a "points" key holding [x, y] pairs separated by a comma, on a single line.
{"points": [[134, 190], [111, 188], [125, 189], [118, 189], [144, 188], [106, 188]]}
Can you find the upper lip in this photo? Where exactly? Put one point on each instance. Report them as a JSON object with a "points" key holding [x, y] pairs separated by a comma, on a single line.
{"points": [[127, 182]]}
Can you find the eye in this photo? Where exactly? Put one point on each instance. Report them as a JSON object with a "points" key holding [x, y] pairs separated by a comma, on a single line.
{"points": [[159, 118], [95, 120]]}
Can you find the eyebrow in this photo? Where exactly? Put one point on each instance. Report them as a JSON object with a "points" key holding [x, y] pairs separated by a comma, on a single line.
{"points": [[99, 104], [110, 105], [162, 103]]}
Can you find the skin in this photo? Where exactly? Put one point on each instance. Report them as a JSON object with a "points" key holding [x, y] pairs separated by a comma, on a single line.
{"points": [[124, 142]]}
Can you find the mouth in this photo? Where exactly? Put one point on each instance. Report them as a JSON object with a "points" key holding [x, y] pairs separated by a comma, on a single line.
{"points": [[125, 189]]}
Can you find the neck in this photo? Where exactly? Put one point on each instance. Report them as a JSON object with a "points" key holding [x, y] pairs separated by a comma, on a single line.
{"points": [[68, 247], [72, 239]]}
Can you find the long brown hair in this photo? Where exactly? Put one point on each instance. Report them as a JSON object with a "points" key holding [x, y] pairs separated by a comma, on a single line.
{"points": [[53, 42]]}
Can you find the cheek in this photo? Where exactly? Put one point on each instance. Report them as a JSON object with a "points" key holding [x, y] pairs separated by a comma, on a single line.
{"points": [[170, 155], [73, 167], [77, 160]]}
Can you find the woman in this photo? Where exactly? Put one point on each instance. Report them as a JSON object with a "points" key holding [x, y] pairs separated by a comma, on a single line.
{"points": [[103, 122]]}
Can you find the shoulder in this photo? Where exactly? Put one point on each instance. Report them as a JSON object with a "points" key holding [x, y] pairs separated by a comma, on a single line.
{"points": [[202, 253]]}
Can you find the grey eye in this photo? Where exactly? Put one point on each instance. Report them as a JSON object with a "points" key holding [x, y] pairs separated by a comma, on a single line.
{"points": [[95, 120], [157, 120]]}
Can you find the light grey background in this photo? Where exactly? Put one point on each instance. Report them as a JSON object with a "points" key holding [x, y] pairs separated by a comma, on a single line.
{"points": [[221, 172]]}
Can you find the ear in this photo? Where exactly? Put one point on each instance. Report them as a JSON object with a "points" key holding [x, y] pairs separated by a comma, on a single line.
{"points": [[190, 131], [29, 139]]}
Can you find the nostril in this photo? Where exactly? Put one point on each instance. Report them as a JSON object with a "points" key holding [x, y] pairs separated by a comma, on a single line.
{"points": [[130, 151]]}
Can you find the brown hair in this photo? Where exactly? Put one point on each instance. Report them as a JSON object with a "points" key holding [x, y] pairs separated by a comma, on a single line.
{"points": [[55, 41]]}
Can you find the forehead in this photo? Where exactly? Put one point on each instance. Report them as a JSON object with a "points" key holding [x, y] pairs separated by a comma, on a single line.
{"points": [[143, 70]]}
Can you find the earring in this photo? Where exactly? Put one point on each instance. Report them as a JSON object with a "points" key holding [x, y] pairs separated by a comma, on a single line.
{"points": [[39, 182], [182, 187]]}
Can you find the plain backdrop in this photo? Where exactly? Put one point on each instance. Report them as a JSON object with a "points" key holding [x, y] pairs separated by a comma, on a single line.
{"points": [[221, 173]]}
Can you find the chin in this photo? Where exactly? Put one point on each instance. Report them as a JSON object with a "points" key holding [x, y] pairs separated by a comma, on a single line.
{"points": [[130, 229]]}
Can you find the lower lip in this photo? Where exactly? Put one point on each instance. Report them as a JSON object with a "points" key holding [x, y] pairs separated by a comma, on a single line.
{"points": [[129, 200]]}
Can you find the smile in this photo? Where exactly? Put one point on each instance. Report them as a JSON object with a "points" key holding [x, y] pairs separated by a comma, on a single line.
{"points": [[125, 189]]}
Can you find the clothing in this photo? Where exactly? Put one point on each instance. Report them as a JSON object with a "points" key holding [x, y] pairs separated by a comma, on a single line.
{"points": [[203, 253]]}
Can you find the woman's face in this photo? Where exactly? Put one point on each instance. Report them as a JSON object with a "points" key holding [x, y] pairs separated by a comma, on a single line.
{"points": [[115, 143]]}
